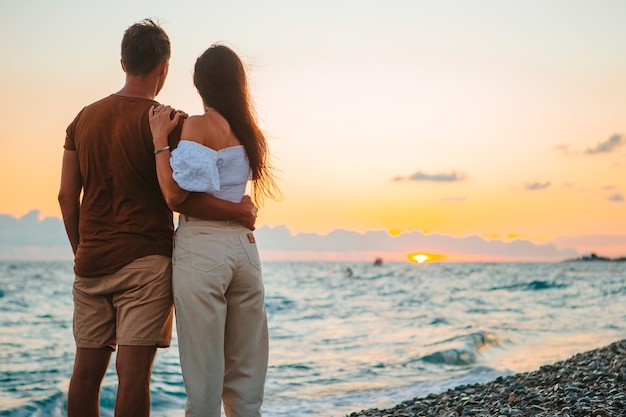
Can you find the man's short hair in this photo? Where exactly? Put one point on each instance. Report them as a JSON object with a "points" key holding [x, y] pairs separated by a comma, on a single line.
{"points": [[144, 46]]}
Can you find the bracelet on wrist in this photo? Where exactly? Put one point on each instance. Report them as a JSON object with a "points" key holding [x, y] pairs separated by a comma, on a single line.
{"points": [[163, 149]]}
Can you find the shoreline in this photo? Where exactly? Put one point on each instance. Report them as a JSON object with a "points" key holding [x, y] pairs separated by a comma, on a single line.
{"points": [[591, 383]]}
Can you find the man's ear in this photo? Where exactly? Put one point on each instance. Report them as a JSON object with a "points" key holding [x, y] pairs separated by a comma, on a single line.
{"points": [[122, 64], [164, 67]]}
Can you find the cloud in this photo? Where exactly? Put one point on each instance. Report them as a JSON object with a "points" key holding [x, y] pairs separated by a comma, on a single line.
{"points": [[607, 146], [533, 186], [603, 245], [612, 143], [616, 197], [29, 237], [441, 177], [28, 230], [279, 244]]}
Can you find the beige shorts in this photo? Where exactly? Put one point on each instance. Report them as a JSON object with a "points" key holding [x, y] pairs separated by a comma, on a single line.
{"points": [[132, 306]]}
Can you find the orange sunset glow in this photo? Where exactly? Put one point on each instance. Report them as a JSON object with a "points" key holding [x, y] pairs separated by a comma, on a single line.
{"points": [[497, 121]]}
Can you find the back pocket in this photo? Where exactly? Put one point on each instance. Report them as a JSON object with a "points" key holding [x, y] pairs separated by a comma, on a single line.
{"points": [[207, 251]]}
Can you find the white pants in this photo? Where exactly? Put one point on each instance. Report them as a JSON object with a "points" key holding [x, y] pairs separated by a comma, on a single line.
{"points": [[220, 318]]}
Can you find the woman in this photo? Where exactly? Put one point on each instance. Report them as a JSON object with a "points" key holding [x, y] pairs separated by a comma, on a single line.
{"points": [[218, 291]]}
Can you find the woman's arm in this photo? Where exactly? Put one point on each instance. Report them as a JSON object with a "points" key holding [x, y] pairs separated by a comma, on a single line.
{"points": [[207, 207], [161, 124]]}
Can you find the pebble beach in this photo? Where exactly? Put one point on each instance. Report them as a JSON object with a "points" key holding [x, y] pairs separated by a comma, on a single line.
{"points": [[587, 384]]}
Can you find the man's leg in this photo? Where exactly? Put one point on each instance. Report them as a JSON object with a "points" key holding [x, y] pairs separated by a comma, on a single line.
{"points": [[144, 306], [90, 365], [134, 365]]}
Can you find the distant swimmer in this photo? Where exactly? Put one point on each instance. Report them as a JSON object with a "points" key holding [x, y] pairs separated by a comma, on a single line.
{"points": [[378, 261], [349, 272]]}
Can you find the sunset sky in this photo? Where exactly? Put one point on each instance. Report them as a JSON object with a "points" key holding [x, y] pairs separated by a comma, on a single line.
{"points": [[492, 118]]}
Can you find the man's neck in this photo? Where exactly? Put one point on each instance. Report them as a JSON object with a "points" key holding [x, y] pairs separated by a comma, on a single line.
{"points": [[140, 87], [134, 91], [147, 85]]}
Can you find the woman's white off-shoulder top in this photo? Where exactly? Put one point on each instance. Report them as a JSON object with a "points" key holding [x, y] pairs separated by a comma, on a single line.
{"points": [[222, 173]]}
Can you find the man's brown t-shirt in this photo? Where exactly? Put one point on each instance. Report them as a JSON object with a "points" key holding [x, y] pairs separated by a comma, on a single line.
{"points": [[123, 215]]}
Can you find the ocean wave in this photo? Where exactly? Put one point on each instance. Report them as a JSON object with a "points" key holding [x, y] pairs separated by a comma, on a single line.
{"points": [[52, 405], [465, 349], [536, 285], [451, 357], [276, 304]]}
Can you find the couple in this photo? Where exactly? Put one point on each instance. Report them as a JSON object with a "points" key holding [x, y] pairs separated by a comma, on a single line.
{"points": [[129, 161]]}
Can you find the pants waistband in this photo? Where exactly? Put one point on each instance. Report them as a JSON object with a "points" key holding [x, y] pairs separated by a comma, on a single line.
{"points": [[183, 218]]}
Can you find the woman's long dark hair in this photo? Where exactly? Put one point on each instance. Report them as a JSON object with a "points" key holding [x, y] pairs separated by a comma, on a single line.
{"points": [[220, 78]]}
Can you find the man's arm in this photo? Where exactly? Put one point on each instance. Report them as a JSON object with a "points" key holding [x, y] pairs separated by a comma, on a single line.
{"points": [[207, 207], [69, 196]]}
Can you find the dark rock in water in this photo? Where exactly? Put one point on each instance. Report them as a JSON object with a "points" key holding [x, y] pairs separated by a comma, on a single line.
{"points": [[595, 258], [589, 384]]}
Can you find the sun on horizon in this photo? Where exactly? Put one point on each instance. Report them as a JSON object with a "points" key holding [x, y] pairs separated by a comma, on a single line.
{"points": [[422, 257]]}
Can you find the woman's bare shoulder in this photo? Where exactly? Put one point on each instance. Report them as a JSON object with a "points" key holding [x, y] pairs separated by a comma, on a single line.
{"points": [[209, 129], [193, 124], [195, 129]]}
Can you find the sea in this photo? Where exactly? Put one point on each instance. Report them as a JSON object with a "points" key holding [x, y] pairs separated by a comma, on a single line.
{"points": [[343, 336]]}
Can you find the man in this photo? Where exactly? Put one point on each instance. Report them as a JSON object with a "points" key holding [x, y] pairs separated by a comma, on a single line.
{"points": [[121, 232]]}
